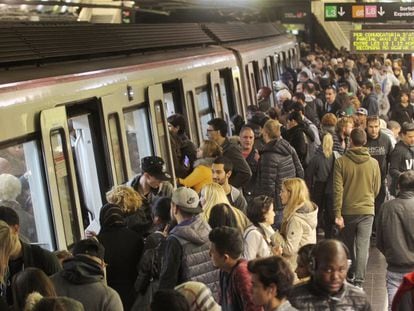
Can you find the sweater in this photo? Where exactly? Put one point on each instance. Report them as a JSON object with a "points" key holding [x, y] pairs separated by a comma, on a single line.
{"points": [[200, 176], [357, 181]]}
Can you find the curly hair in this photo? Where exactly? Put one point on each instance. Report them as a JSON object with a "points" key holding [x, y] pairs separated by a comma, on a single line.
{"points": [[10, 187], [125, 197]]}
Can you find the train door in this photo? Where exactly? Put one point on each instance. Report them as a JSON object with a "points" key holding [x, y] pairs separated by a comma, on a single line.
{"points": [[251, 84], [237, 89], [172, 98], [66, 212], [192, 112], [204, 107], [268, 77], [159, 121], [218, 90]]}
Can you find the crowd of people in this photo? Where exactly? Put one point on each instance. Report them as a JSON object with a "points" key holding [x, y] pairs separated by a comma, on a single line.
{"points": [[333, 159]]}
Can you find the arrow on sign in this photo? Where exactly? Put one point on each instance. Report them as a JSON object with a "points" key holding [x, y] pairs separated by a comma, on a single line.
{"points": [[341, 11], [381, 11]]}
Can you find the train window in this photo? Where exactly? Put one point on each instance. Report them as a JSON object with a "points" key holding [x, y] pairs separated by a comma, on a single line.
{"points": [[217, 97], [192, 116], [237, 91], [205, 110], [257, 78], [114, 133], [249, 86], [68, 207], [169, 104], [22, 188], [226, 85], [162, 134], [139, 137]]}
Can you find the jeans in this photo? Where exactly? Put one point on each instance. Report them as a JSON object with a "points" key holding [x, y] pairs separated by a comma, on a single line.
{"points": [[393, 281], [356, 235]]}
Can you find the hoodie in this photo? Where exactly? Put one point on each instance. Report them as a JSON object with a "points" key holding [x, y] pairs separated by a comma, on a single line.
{"points": [[83, 279], [186, 256], [357, 181], [401, 160]]}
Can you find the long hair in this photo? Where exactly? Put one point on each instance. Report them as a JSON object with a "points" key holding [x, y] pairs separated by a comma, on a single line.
{"points": [[7, 242], [222, 215], [125, 197], [28, 281], [299, 196], [212, 194], [327, 145]]}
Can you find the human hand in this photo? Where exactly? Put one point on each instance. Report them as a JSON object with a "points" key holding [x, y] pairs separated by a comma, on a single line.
{"points": [[339, 221]]}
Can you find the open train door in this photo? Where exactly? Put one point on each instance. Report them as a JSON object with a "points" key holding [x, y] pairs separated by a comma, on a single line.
{"points": [[61, 177], [159, 124], [219, 99]]}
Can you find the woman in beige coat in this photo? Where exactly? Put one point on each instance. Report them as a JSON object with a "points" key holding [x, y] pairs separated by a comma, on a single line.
{"points": [[300, 217]]}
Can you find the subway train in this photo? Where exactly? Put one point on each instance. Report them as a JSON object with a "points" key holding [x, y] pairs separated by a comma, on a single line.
{"points": [[81, 104]]}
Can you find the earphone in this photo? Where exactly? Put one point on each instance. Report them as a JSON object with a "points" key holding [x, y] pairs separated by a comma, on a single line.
{"points": [[313, 263]]}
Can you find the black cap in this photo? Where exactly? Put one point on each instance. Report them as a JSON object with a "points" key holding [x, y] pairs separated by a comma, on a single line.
{"points": [[154, 166], [90, 247]]}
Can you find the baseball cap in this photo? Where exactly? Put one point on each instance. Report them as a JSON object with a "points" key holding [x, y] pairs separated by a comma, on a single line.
{"points": [[187, 199], [89, 247], [361, 111], [154, 166]]}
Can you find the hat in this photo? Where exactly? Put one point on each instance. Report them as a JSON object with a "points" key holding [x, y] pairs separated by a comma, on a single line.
{"points": [[361, 111], [89, 247], [187, 199], [111, 215], [154, 166]]}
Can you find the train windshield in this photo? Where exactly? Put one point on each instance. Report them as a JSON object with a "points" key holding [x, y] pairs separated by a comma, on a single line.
{"points": [[22, 188]]}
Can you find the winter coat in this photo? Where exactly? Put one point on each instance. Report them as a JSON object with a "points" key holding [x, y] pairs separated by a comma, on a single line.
{"points": [[252, 161], [401, 160], [123, 250], [395, 237], [299, 137], [236, 199], [297, 231], [201, 175], [278, 161], [402, 114], [83, 279], [186, 256], [370, 103], [255, 244], [358, 174], [241, 171]]}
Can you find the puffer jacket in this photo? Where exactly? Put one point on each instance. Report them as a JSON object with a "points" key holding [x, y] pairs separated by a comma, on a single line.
{"points": [[187, 256], [278, 161], [299, 137], [299, 230]]}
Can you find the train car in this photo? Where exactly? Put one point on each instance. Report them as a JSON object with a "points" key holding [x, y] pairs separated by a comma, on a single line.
{"points": [[82, 104]]}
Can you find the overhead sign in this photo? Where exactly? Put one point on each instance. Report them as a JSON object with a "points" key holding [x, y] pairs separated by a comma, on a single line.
{"points": [[294, 14], [382, 41], [370, 12]]}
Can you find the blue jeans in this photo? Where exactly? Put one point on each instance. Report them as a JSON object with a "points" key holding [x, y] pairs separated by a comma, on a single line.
{"points": [[393, 280], [356, 235]]}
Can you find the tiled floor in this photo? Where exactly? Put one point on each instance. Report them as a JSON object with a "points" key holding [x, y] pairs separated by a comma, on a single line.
{"points": [[375, 280]]}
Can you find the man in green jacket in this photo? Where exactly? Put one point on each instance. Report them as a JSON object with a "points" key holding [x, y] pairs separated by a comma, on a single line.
{"points": [[357, 181]]}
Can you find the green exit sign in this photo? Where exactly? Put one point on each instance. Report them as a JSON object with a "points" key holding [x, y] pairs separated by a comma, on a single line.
{"points": [[330, 11]]}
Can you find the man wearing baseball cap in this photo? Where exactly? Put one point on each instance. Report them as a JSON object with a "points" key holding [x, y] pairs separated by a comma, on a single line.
{"points": [[151, 184], [186, 256], [361, 118]]}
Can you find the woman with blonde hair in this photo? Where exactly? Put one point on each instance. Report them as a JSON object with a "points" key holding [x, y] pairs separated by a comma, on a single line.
{"points": [[202, 174], [300, 217], [130, 202], [213, 194]]}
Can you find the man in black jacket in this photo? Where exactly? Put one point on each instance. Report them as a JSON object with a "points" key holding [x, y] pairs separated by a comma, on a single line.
{"points": [[395, 234], [217, 131], [24, 255]]}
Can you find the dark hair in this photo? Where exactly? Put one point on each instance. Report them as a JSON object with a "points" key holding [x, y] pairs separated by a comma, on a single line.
{"points": [[227, 240], [30, 280], [219, 124], [297, 107], [299, 95], [358, 137], [238, 123], [161, 208], [252, 108], [344, 84], [177, 120], [326, 249], [406, 180], [406, 127], [258, 207], [305, 252], [169, 299], [9, 216], [296, 116], [368, 85], [228, 164], [273, 270], [309, 87], [222, 215], [331, 88], [273, 114]]}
